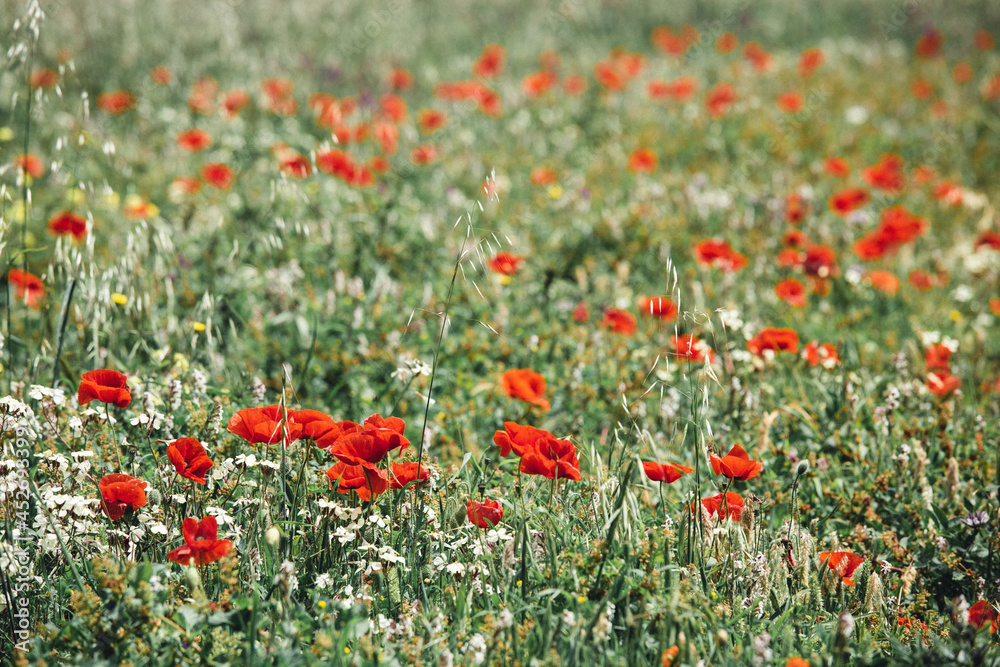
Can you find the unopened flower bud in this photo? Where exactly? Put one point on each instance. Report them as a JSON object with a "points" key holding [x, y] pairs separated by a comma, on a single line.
{"points": [[802, 468], [272, 535], [154, 497], [192, 578]]}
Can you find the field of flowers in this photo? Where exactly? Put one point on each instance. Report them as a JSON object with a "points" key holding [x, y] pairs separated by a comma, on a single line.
{"points": [[500, 333]]}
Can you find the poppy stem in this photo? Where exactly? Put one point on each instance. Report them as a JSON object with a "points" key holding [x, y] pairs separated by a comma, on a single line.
{"points": [[63, 319], [114, 436]]}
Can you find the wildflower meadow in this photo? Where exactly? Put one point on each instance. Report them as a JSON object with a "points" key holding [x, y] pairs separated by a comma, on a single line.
{"points": [[445, 333]]}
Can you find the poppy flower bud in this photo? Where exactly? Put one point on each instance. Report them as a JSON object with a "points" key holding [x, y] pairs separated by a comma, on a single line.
{"points": [[271, 536], [802, 468], [482, 489], [192, 578], [154, 497]]}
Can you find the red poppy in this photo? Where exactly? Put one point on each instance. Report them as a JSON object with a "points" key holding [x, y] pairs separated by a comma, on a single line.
{"points": [[541, 452], [682, 88], [921, 280], [401, 474], [921, 89], [30, 288], [608, 76], [189, 459], [518, 438], [486, 514], [658, 89], [424, 154], [185, 185], [937, 357], [848, 200], [490, 62], [161, 75], [387, 135], [68, 223], [369, 446], [218, 175], [120, 492], [719, 254], [757, 55], [365, 482], [106, 386], [989, 238], [736, 465], [264, 425], [30, 164], [872, 246], [202, 97], [942, 383], [713, 505], [886, 174], [543, 176], [295, 165], [946, 191], [431, 120], [628, 64], [821, 354], [837, 166], [393, 107], [662, 307], [552, 458], [884, 281], [719, 99], [982, 613], [693, 349], [991, 89], [795, 209], [233, 101], [619, 321], [316, 426], [581, 313], [574, 84], [43, 78], [929, 44], [194, 140], [844, 563], [202, 544], [642, 161], [538, 82], [279, 94], [774, 339], [674, 43], [790, 102], [726, 43], [984, 41], [117, 102], [400, 79], [668, 473], [526, 385], [792, 291], [790, 258], [810, 60], [505, 263], [336, 162], [820, 261]]}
